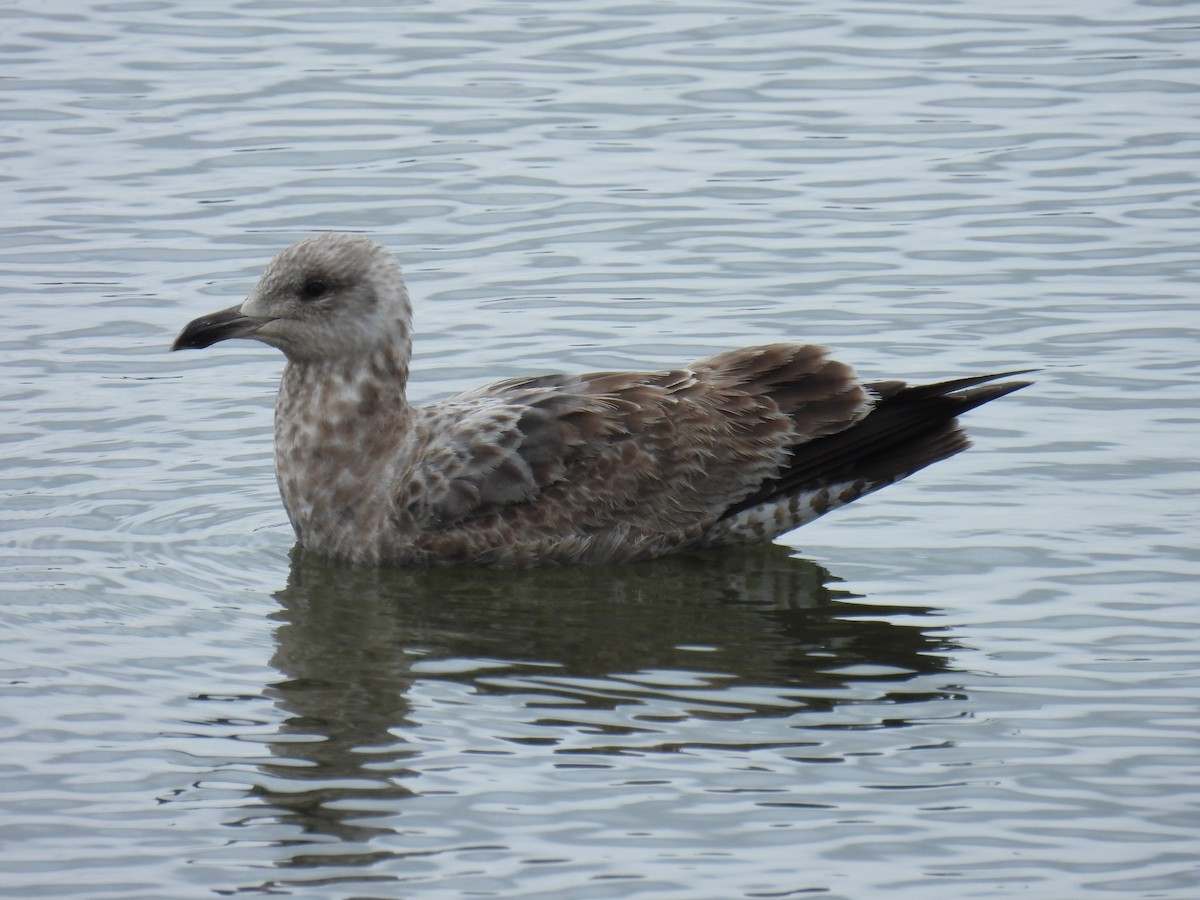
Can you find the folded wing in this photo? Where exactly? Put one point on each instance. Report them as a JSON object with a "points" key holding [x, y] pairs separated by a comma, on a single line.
{"points": [[658, 452]]}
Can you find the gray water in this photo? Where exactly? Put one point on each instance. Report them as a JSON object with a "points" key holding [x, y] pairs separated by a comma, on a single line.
{"points": [[979, 683]]}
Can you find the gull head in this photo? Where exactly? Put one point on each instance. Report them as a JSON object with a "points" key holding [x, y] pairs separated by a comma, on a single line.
{"points": [[328, 298]]}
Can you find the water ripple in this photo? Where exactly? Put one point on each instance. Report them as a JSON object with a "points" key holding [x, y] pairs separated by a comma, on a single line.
{"points": [[992, 695]]}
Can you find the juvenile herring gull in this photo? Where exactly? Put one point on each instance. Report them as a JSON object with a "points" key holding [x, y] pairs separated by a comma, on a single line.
{"points": [[557, 469]]}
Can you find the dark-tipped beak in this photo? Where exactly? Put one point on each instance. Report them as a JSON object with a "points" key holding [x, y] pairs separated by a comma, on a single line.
{"points": [[219, 326]]}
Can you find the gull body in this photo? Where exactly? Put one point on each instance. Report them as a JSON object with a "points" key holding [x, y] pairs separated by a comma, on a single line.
{"points": [[557, 469]]}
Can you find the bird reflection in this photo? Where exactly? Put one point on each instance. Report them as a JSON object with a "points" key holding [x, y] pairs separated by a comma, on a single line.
{"points": [[351, 643]]}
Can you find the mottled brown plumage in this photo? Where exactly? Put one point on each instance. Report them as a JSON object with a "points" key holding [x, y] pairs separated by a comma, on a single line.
{"points": [[557, 469]]}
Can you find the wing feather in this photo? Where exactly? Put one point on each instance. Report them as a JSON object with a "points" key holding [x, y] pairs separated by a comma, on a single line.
{"points": [[655, 452]]}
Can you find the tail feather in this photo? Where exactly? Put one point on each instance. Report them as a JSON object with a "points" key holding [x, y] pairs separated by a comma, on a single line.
{"points": [[909, 429]]}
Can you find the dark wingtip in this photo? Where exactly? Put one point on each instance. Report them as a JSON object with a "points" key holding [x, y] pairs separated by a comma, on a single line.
{"points": [[973, 397], [943, 388], [909, 428]]}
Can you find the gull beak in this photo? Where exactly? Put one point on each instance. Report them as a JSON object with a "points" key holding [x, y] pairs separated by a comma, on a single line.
{"points": [[219, 326]]}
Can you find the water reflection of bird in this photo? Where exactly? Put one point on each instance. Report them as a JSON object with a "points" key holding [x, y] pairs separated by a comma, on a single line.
{"points": [[605, 467], [352, 643]]}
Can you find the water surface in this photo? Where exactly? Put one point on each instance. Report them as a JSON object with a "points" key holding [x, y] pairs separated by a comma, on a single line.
{"points": [[978, 683]]}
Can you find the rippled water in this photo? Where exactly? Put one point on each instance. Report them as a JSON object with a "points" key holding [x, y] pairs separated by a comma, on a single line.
{"points": [[979, 683]]}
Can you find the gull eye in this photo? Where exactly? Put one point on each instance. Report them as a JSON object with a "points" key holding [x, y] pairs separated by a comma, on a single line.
{"points": [[314, 289]]}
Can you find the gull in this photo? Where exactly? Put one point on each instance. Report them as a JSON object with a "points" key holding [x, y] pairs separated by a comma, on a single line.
{"points": [[601, 467]]}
